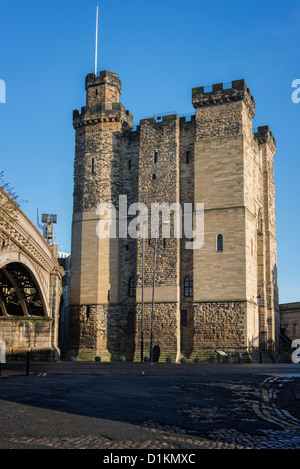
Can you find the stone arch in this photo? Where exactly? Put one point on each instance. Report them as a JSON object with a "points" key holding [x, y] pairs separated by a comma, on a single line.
{"points": [[27, 290]]}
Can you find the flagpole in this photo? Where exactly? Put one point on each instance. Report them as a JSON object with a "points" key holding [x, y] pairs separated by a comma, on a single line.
{"points": [[96, 48]]}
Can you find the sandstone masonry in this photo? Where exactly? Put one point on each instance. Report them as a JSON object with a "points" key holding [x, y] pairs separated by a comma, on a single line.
{"points": [[204, 298]]}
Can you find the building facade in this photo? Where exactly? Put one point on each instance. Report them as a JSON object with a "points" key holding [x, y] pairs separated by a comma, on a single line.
{"points": [[206, 296], [290, 319], [30, 287]]}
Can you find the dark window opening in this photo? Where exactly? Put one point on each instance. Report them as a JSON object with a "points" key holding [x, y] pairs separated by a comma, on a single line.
{"points": [[183, 318], [129, 165], [188, 286], [154, 176], [155, 157], [131, 322], [220, 242], [164, 243], [188, 157], [93, 165], [132, 287]]}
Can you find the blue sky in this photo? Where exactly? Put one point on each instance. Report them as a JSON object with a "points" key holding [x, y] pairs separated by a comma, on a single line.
{"points": [[161, 50]]}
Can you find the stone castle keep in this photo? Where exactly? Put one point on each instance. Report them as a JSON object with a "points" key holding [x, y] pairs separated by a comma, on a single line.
{"points": [[207, 298]]}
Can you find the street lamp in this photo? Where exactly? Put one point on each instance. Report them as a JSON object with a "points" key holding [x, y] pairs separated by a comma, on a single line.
{"points": [[259, 300], [142, 316], [153, 292]]}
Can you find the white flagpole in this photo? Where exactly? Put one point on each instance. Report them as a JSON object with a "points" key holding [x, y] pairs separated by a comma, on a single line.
{"points": [[96, 48]]}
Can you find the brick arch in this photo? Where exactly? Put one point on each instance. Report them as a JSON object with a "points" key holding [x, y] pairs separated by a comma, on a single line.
{"points": [[21, 274]]}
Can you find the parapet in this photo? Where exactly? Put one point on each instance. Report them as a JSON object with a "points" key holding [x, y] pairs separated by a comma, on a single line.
{"points": [[221, 93], [105, 77], [116, 112], [265, 135], [162, 119]]}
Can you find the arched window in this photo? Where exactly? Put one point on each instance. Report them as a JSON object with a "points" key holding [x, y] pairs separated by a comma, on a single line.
{"points": [[188, 286], [132, 287], [220, 242]]}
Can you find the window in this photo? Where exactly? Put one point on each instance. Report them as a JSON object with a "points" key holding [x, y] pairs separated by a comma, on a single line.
{"points": [[220, 242], [132, 287], [188, 157], [188, 286], [129, 165], [93, 166], [154, 176], [183, 318], [130, 322], [155, 157], [164, 243]]}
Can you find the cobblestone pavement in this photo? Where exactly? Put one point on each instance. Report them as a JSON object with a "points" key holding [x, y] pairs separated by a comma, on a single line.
{"points": [[213, 412]]}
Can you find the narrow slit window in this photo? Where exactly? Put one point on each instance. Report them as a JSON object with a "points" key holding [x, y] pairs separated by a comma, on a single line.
{"points": [[93, 165], [183, 318], [154, 176], [220, 242], [188, 157], [155, 157], [129, 165], [188, 286]]}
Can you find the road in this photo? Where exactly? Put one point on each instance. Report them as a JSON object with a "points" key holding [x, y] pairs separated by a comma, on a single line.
{"points": [[69, 405]]}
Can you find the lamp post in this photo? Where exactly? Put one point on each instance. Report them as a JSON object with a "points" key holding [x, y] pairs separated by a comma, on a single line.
{"points": [[142, 315], [259, 298], [153, 293]]}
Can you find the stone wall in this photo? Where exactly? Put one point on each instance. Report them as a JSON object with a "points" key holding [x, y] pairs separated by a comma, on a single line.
{"points": [[214, 159]]}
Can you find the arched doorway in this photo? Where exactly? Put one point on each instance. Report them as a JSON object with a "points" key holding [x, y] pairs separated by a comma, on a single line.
{"points": [[156, 353]]}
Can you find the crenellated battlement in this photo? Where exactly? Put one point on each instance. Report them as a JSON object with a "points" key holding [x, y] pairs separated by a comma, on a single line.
{"points": [[265, 135], [221, 93], [164, 119], [115, 112], [105, 77]]}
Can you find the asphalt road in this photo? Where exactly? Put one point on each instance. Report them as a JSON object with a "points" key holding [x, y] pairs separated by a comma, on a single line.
{"points": [[69, 405]]}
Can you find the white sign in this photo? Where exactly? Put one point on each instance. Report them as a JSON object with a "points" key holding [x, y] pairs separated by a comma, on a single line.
{"points": [[2, 352], [295, 357]]}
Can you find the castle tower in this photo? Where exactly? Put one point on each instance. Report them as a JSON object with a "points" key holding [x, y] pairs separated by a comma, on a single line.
{"points": [[206, 297], [234, 179], [158, 188], [95, 260]]}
